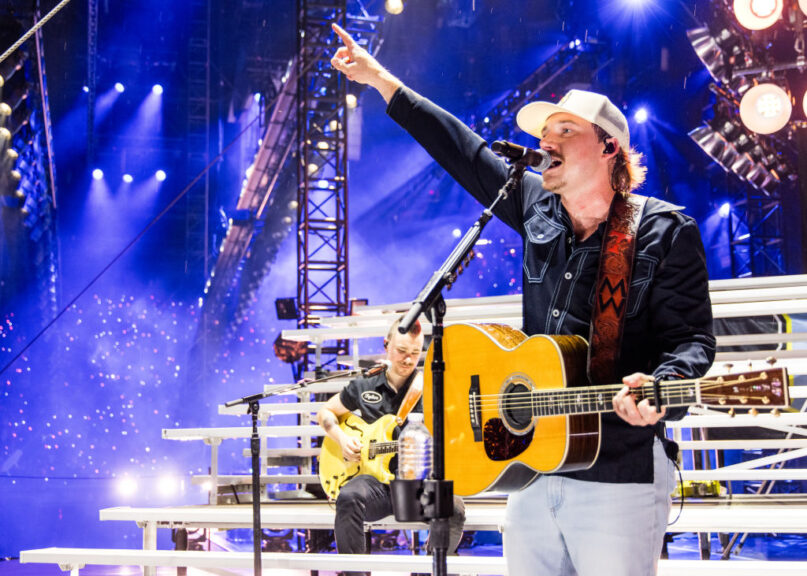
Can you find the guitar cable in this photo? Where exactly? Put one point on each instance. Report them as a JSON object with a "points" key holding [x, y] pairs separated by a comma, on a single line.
{"points": [[681, 485]]}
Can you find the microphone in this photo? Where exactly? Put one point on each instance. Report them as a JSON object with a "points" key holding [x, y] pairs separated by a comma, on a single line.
{"points": [[538, 159], [380, 366]]}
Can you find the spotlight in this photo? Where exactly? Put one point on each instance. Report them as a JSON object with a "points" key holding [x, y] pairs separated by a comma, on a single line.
{"points": [[127, 486], [724, 210], [128, 178], [351, 101], [86, 89], [97, 174], [641, 115], [394, 6], [257, 97], [119, 87], [157, 89], [714, 51], [160, 175], [765, 108], [757, 14]]}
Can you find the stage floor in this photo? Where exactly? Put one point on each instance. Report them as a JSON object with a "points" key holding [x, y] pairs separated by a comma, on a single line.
{"points": [[683, 547]]}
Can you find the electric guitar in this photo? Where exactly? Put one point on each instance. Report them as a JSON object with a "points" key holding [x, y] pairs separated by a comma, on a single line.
{"points": [[516, 407], [377, 450]]}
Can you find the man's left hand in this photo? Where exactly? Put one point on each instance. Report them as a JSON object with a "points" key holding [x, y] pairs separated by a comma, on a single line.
{"points": [[641, 414]]}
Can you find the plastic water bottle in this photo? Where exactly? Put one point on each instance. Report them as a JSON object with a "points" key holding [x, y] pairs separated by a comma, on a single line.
{"points": [[414, 449]]}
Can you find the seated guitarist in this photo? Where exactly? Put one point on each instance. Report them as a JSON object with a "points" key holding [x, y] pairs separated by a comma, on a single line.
{"points": [[365, 498], [609, 519]]}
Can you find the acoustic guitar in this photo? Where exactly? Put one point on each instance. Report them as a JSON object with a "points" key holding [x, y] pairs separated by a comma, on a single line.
{"points": [[378, 448], [516, 407]]}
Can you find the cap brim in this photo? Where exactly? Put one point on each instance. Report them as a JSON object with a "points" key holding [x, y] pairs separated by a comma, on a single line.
{"points": [[532, 117]]}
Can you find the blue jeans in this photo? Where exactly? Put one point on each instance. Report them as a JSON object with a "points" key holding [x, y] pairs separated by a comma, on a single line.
{"points": [[563, 527]]}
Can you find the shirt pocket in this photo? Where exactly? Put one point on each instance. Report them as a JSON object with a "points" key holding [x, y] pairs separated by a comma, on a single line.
{"points": [[540, 243], [643, 270]]}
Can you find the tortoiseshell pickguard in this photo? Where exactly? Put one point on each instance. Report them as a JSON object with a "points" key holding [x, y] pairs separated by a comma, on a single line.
{"points": [[501, 444]]}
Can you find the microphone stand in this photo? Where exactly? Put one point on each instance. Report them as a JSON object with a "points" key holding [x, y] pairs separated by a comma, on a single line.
{"points": [[253, 402], [437, 497]]}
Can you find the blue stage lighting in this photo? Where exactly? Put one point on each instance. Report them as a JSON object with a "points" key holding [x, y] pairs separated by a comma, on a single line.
{"points": [[724, 210], [160, 175], [86, 89], [119, 87], [641, 115], [128, 178], [157, 89], [97, 174], [257, 96]]}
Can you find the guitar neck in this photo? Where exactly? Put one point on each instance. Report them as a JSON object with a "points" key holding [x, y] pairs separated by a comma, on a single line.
{"points": [[595, 399]]}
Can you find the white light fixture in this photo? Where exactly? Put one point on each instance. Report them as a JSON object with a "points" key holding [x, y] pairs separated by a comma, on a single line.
{"points": [[765, 108], [757, 14], [394, 6], [351, 101]]}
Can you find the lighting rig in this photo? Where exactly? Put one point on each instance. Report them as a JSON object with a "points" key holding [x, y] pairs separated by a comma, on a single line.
{"points": [[754, 51]]}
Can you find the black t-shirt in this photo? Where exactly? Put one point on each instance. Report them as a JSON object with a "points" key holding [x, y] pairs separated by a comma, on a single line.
{"points": [[373, 397]]}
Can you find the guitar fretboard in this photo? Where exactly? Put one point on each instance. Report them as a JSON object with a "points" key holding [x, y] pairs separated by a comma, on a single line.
{"points": [[592, 399]]}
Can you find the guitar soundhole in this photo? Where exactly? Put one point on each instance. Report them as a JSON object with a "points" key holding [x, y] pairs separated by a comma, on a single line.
{"points": [[515, 407]]}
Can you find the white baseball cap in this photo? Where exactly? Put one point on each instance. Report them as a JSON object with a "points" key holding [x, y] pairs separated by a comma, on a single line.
{"points": [[590, 106]]}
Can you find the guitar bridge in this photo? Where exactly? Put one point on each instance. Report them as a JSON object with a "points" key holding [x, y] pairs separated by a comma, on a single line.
{"points": [[475, 408]]}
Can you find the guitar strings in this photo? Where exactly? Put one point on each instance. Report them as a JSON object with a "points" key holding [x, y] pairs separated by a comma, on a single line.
{"points": [[600, 394]]}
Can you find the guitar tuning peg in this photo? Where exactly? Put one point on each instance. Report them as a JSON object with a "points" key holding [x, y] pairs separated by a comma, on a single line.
{"points": [[770, 360], [731, 412], [753, 412], [459, 269], [728, 366]]}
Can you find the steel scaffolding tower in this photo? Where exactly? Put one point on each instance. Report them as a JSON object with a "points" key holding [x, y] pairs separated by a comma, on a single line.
{"points": [[322, 212], [197, 233], [756, 233]]}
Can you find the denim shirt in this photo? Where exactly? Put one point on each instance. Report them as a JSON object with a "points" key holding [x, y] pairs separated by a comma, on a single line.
{"points": [[668, 325]]}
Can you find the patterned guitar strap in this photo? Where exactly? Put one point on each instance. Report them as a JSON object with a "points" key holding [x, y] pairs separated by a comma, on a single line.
{"points": [[411, 399], [613, 282]]}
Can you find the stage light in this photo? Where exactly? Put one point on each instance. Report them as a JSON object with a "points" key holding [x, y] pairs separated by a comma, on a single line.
{"points": [[97, 174], [394, 6], [257, 97], [709, 51], [160, 175], [86, 89], [765, 108], [757, 14], [641, 115], [128, 178], [157, 89], [351, 101], [119, 87], [724, 210], [127, 486], [168, 485]]}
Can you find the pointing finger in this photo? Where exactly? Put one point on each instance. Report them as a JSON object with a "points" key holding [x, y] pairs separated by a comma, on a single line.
{"points": [[346, 38]]}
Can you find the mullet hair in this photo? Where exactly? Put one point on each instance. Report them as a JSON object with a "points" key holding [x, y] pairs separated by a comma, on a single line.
{"points": [[627, 172]]}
